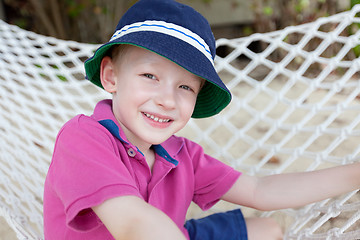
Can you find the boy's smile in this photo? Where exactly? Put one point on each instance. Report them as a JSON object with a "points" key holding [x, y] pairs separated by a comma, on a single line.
{"points": [[153, 98], [157, 119]]}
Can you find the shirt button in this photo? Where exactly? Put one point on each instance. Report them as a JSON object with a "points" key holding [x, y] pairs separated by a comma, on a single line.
{"points": [[131, 152]]}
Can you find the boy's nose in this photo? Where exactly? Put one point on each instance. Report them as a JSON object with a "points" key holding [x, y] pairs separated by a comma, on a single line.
{"points": [[166, 97]]}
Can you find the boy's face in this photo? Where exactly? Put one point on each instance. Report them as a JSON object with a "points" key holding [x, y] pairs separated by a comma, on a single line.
{"points": [[153, 98]]}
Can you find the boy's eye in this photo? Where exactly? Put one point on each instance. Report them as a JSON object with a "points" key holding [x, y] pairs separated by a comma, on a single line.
{"points": [[148, 75], [185, 87]]}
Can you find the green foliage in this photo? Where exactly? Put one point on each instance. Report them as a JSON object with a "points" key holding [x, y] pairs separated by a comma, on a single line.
{"points": [[62, 78], [94, 20], [21, 22], [80, 20], [247, 30], [357, 48], [301, 5], [357, 51], [354, 2], [271, 15], [268, 11], [74, 8]]}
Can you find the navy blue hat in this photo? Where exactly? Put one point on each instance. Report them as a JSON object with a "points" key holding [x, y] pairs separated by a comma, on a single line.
{"points": [[178, 33]]}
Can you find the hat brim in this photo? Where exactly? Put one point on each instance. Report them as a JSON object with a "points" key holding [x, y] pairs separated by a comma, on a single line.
{"points": [[213, 97]]}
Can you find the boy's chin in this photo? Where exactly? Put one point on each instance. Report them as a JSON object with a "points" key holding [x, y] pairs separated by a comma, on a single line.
{"points": [[160, 140]]}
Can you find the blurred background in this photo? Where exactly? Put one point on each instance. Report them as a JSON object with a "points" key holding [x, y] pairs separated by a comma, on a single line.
{"points": [[93, 21]]}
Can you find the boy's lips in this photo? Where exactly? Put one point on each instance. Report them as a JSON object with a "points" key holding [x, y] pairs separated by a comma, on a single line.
{"points": [[157, 118]]}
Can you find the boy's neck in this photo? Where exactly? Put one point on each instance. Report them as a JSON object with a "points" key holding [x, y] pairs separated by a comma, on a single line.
{"points": [[150, 157]]}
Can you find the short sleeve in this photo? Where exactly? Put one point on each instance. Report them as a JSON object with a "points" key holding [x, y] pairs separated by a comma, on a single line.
{"points": [[86, 170], [213, 178]]}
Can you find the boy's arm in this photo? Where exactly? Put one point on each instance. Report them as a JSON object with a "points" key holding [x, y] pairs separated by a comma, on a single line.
{"points": [[129, 217], [293, 189]]}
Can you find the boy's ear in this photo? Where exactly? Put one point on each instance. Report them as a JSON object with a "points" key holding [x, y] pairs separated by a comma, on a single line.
{"points": [[107, 74]]}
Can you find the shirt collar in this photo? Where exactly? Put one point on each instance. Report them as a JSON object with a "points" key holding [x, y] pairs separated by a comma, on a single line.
{"points": [[104, 115]]}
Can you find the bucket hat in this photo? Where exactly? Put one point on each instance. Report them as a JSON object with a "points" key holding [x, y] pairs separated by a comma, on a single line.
{"points": [[178, 33]]}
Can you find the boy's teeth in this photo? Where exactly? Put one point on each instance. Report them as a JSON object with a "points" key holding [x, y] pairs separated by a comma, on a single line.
{"points": [[156, 119]]}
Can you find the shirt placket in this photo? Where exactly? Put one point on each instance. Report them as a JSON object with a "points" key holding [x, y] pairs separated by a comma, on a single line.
{"points": [[141, 169], [161, 169]]}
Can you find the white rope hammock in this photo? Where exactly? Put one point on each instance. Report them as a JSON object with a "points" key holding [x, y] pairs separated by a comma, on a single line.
{"points": [[296, 107]]}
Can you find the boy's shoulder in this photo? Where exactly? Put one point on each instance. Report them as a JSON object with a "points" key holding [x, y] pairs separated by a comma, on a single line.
{"points": [[81, 123], [80, 120]]}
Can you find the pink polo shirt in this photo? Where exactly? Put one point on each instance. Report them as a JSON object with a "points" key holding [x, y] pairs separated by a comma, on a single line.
{"points": [[93, 161]]}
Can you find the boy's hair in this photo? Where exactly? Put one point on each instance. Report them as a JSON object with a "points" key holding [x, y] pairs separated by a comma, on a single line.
{"points": [[178, 33], [117, 51]]}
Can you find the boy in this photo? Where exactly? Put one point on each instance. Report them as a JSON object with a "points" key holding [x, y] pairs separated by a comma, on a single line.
{"points": [[122, 174]]}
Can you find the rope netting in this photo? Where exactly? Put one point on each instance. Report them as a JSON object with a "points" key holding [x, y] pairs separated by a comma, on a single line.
{"points": [[295, 107]]}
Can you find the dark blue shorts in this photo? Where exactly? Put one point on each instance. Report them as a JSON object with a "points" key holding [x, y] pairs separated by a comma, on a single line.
{"points": [[220, 226]]}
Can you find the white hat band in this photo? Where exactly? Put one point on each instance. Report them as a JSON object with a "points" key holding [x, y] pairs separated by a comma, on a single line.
{"points": [[169, 29]]}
